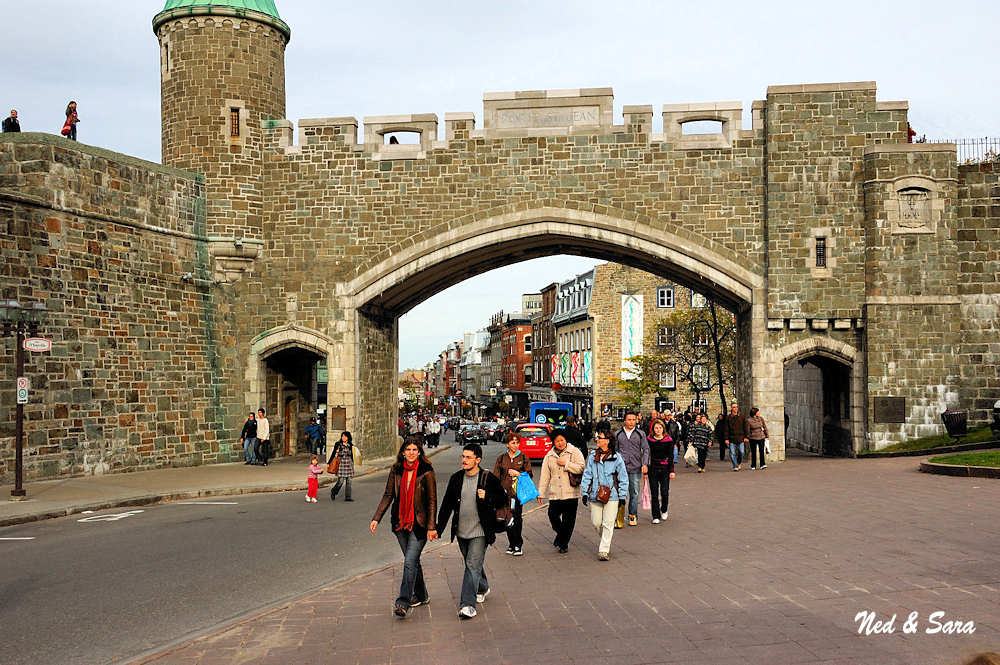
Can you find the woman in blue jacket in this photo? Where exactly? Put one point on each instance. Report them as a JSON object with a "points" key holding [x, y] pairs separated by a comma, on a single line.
{"points": [[605, 467]]}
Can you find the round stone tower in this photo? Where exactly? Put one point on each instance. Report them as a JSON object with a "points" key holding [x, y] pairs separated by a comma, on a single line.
{"points": [[222, 65]]}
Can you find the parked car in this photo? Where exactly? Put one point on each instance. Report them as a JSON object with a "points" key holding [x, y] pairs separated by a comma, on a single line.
{"points": [[470, 434], [535, 439]]}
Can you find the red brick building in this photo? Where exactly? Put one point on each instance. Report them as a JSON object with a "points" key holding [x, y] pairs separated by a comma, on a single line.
{"points": [[516, 368]]}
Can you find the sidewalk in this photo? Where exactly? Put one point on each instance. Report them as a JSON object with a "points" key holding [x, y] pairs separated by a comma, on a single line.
{"points": [[756, 567], [68, 496]]}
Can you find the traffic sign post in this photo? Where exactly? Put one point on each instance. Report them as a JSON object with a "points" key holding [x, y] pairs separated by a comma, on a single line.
{"points": [[22, 390]]}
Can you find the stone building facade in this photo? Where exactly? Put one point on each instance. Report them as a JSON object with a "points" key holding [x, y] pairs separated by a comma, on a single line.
{"points": [[182, 296]]}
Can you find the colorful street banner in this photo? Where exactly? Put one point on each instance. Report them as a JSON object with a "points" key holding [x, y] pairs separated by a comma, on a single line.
{"points": [[631, 333]]}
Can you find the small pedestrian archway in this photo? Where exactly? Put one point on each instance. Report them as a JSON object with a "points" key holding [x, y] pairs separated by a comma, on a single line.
{"points": [[283, 377], [823, 397], [406, 275]]}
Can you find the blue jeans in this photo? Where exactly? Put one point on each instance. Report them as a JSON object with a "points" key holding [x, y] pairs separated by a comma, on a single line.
{"points": [[634, 486], [412, 588], [474, 581], [736, 453], [248, 446]]}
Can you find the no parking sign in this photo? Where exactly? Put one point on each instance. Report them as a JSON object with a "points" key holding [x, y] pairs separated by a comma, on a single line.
{"points": [[22, 390]]}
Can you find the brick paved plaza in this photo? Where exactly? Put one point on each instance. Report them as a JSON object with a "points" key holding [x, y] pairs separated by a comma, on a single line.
{"points": [[756, 567]]}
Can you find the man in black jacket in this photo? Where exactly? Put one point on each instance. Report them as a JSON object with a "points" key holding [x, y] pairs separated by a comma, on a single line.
{"points": [[11, 124], [473, 495], [574, 436], [248, 437]]}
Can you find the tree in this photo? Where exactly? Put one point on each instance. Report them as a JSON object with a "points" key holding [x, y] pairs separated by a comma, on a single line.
{"points": [[699, 343]]}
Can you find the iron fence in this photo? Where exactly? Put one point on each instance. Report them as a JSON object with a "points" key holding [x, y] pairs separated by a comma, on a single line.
{"points": [[975, 150]]}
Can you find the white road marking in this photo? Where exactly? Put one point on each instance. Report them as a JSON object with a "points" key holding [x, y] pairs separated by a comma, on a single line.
{"points": [[207, 503], [31, 538], [113, 517]]}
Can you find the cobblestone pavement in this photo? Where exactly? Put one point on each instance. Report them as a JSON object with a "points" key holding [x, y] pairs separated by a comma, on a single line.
{"points": [[752, 567]]}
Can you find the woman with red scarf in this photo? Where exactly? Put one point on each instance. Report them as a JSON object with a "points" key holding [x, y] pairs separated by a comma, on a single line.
{"points": [[411, 491]]}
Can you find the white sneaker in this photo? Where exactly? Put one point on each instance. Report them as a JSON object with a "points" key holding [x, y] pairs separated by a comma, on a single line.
{"points": [[308, 499], [663, 515], [481, 597], [467, 612], [656, 521]]}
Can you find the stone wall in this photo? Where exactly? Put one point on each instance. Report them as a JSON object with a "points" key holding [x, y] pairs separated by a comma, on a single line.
{"points": [[136, 377], [978, 243]]}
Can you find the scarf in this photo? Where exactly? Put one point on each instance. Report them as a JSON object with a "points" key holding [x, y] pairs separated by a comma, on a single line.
{"points": [[406, 494]]}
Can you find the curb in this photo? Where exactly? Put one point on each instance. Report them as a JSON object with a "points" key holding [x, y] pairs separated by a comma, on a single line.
{"points": [[959, 448], [381, 464], [957, 470]]}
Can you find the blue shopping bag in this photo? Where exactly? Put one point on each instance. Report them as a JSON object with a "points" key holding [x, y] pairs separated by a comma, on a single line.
{"points": [[526, 490]]}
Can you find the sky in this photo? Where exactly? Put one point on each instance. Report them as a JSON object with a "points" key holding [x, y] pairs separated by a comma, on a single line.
{"points": [[360, 59]]}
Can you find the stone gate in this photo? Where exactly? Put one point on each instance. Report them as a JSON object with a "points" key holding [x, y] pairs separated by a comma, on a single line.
{"points": [[185, 295]]}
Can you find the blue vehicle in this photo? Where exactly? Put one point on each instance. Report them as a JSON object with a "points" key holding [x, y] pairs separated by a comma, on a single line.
{"points": [[550, 413]]}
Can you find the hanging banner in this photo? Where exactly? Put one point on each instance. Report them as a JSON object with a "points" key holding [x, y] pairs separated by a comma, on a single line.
{"points": [[588, 368], [632, 327], [574, 376]]}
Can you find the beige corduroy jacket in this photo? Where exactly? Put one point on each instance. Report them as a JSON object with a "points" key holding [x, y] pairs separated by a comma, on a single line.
{"points": [[554, 483]]}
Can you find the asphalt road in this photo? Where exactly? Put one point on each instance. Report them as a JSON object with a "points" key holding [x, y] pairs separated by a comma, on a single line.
{"points": [[99, 591]]}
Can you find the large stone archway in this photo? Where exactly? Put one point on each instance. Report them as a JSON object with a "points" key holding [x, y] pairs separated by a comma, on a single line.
{"points": [[386, 289]]}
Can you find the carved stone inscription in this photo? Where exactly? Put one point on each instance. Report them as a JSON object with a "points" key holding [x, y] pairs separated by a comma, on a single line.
{"points": [[914, 208], [565, 116]]}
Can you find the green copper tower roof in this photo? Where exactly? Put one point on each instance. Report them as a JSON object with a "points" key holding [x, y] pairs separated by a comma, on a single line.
{"points": [[262, 6], [261, 10]]}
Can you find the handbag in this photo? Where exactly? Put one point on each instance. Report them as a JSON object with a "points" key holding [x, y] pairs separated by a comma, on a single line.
{"points": [[691, 455], [645, 500], [334, 466], [67, 128], [767, 446], [575, 479], [604, 492], [526, 490], [505, 513]]}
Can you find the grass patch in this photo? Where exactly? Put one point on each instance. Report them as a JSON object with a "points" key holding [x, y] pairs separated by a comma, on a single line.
{"points": [[987, 458], [977, 435]]}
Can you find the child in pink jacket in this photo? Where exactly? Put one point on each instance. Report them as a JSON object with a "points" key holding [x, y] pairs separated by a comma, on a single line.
{"points": [[314, 470]]}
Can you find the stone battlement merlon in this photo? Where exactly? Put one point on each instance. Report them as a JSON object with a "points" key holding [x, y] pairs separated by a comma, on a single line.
{"points": [[553, 113]]}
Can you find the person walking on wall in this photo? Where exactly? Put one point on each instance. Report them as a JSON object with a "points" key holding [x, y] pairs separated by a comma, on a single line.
{"points": [[11, 124], [756, 434], [344, 450], [263, 449], [248, 437], [562, 488], [661, 469], [509, 465], [631, 443], [736, 436], [701, 439], [411, 492], [473, 495], [72, 117], [604, 486]]}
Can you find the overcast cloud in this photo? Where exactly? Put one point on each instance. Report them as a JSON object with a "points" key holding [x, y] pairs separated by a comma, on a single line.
{"points": [[358, 59]]}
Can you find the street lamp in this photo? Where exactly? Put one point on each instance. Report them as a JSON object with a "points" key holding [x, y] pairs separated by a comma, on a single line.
{"points": [[18, 320]]}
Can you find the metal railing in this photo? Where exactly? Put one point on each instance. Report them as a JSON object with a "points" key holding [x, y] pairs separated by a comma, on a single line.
{"points": [[973, 151]]}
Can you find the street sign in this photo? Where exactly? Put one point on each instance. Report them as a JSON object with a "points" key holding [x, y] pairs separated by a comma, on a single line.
{"points": [[39, 344], [493, 392], [22, 390]]}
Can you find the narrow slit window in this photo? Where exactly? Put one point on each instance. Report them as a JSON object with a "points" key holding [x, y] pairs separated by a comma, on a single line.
{"points": [[166, 56], [820, 252], [234, 123]]}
